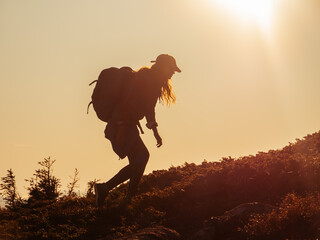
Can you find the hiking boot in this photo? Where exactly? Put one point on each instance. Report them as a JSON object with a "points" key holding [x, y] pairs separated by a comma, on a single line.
{"points": [[101, 192]]}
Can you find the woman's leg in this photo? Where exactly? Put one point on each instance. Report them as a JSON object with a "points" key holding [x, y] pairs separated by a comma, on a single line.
{"points": [[123, 175], [138, 159], [101, 189], [129, 134]]}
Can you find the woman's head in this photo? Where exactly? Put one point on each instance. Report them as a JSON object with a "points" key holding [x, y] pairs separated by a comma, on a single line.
{"points": [[165, 66], [166, 63]]}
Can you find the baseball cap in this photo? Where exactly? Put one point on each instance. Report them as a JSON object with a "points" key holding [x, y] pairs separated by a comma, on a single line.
{"points": [[166, 59]]}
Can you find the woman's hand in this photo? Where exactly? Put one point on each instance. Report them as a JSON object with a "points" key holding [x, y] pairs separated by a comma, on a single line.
{"points": [[159, 140], [157, 136]]}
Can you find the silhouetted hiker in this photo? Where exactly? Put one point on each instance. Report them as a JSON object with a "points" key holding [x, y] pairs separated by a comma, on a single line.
{"points": [[147, 86]]}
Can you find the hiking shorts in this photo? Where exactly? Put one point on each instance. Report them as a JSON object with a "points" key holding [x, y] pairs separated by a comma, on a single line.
{"points": [[130, 135]]}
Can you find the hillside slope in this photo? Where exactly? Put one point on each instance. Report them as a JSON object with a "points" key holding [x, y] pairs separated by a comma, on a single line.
{"points": [[181, 198]]}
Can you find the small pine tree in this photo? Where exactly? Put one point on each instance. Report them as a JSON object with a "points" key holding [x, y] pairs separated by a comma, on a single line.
{"points": [[44, 186], [9, 189], [73, 184]]}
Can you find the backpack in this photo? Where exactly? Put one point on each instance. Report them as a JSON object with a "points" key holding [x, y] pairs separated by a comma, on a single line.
{"points": [[108, 91]]}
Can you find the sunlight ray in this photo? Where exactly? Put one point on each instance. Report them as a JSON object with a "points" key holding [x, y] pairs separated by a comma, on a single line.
{"points": [[259, 12]]}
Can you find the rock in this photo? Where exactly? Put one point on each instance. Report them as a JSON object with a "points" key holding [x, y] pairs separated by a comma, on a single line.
{"points": [[226, 226], [153, 233], [240, 213], [247, 209]]}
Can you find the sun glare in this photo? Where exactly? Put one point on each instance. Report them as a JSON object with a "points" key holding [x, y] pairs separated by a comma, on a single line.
{"points": [[257, 11]]}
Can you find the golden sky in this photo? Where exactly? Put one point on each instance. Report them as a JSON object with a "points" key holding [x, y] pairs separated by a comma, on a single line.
{"points": [[249, 81]]}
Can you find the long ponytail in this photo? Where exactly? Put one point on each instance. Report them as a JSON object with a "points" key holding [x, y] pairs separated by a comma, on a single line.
{"points": [[167, 95]]}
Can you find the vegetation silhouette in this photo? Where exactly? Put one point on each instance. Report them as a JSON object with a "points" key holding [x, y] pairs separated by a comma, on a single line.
{"points": [[183, 197], [9, 189], [44, 185]]}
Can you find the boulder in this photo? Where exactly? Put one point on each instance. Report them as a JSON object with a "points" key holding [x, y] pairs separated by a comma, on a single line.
{"points": [[240, 213], [227, 225]]}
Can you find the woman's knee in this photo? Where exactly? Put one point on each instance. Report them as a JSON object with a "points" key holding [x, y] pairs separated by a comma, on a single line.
{"points": [[142, 158], [139, 158]]}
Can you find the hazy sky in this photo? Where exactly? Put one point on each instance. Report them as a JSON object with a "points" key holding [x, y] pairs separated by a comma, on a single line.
{"points": [[249, 81]]}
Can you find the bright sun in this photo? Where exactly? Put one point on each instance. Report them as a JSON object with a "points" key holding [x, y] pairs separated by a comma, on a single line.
{"points": [[258, 11]]}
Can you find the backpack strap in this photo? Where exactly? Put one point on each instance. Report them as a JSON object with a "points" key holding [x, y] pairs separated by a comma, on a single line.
{"points": [[140, 128], [88, 107], [130, 122], [93, 82]]}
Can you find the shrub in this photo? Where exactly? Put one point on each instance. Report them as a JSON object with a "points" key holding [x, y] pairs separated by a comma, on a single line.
{"points": [[298, 217]]}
